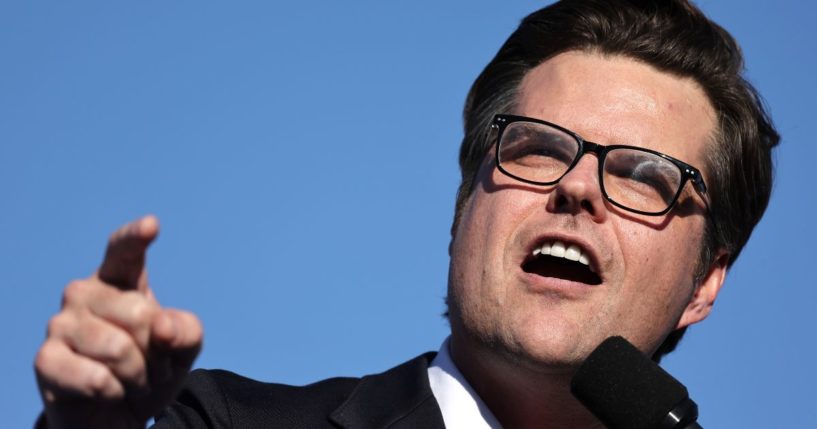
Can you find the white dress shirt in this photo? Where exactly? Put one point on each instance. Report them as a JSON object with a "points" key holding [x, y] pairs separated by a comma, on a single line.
{"points": [[461, 407]]}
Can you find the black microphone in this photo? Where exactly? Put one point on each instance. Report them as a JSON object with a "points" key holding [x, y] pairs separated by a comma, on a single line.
{"points": [[626, 390]]}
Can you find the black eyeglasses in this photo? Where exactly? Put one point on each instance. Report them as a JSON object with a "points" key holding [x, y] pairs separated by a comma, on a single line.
{"points": [[633, 178]]}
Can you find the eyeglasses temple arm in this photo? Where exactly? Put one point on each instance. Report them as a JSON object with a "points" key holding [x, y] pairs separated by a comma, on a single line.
{"points": [[700, 187]]}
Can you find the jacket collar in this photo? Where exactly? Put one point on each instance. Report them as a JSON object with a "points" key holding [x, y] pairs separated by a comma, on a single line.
{"points": [[398, 398]]}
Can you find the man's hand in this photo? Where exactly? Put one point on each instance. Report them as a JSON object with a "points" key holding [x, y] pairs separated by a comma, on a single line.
{"points": [[113, 356]]}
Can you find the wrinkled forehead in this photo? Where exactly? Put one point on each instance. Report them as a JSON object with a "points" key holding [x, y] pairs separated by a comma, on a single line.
{"points": [[612, 99]]}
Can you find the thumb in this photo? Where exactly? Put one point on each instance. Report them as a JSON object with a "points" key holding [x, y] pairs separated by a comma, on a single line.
{"points": [[178, 335]]}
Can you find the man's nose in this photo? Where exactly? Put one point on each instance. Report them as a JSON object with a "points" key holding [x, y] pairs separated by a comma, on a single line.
{"points": [[580, 191]]}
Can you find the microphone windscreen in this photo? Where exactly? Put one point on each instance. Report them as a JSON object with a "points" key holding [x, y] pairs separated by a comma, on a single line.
{"points": [[624, 388]]}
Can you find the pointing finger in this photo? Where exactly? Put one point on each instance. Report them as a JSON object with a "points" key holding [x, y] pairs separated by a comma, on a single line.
{"points": [[124, 261]]}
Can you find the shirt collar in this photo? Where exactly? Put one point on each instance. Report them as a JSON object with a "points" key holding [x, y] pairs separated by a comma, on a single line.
{"points": [[460, 405]]}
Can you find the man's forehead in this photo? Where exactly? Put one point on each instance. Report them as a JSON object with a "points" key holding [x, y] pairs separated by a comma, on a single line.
{"points": [[613, 99]]}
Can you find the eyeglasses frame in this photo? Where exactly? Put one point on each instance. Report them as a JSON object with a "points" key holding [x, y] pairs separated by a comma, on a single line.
{"points": [[688, 172]]}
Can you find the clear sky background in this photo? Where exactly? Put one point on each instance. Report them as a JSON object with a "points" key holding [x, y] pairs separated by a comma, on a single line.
{"points": [[302, 159]]}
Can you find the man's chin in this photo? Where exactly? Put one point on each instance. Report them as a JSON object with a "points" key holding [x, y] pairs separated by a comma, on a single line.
{"points": [[544, 355]]}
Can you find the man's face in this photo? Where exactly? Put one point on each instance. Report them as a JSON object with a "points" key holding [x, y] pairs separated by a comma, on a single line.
{"points": [[645, 264]]}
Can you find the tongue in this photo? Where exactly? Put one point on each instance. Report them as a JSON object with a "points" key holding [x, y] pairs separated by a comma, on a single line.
{"points": [[548, 266]]}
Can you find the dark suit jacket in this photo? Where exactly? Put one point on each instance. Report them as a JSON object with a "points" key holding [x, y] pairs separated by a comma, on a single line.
{"points": [[398, 398]]}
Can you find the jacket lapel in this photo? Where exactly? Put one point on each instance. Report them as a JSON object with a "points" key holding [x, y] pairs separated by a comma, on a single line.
{"points": [[398, 398]]}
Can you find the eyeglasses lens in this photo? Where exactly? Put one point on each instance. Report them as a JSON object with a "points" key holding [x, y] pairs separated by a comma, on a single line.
{"points": [[640, 180], [536, 152]]}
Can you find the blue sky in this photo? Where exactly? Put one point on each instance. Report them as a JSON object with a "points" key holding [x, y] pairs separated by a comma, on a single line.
{"points": [[302, 159]]}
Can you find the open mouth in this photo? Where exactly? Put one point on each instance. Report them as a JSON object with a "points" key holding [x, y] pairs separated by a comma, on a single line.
{"points": [[558, 260]]}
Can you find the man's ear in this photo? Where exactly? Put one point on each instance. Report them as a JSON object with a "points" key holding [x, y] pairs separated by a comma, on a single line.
{"points": [[702, 300]]}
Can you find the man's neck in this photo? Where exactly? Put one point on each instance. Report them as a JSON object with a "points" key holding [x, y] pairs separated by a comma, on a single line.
{"points": [[517, 396]]}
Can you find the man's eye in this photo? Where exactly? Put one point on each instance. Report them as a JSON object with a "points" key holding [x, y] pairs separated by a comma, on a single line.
{"points": [[657, 185], [539, 151], [652, 178]]}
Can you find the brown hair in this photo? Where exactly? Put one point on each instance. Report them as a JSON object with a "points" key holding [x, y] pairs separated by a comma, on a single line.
{"points": [[675, 37]]}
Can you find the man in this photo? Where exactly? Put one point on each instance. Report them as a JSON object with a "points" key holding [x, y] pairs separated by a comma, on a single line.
{"points": [[613, 166]]}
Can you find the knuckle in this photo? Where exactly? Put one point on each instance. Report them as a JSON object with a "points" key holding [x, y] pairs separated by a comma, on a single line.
{"points": [[75, 291], [118, 346], [98, 381], [57, 325], [45, 357], [132, 370], [140, 312]]}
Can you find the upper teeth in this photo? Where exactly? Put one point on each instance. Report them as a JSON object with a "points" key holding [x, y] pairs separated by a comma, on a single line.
{"points": [[560, 250]]}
